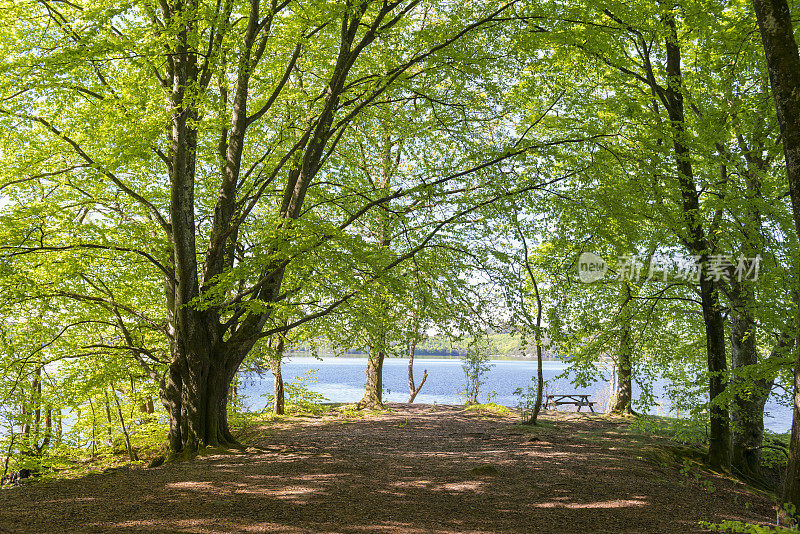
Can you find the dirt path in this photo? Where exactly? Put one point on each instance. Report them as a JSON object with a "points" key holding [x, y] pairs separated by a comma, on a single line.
{"points": [[418, 469]]}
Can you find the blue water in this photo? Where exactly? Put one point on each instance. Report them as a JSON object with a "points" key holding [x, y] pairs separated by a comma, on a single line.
{"points": [[342, 380]]}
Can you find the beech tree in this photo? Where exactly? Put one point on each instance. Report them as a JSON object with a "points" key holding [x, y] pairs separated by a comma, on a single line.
{"points": [[689, 122], [200, 131], [783, 63]]}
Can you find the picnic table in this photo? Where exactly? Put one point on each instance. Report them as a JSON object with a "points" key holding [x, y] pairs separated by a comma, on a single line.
{"points": [[575, 399]]}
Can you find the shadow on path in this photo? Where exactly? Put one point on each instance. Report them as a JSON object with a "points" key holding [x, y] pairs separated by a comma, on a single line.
{"points": [[418, 469]]}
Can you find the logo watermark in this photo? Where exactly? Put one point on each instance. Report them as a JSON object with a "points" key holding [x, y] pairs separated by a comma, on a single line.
{"points": [[716, 267], [591, 267]]}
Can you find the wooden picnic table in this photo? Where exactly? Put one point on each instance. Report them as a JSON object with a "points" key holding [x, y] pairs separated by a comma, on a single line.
{"points": [[575, 399]]}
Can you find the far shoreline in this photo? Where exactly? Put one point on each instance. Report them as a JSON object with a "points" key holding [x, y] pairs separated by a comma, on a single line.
{"points": [[428, 356]]}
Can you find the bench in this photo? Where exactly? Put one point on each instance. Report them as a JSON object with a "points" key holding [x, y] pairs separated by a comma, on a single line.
{"points": [[574, 399]]}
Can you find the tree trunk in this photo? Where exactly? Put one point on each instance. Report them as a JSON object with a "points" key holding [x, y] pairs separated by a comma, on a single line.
{"points": [[197, 403], [750, 395], [37, 409], [25, 427], [131, 453], [412, 390], [195, 390], [623, 394], [109, 423], [147, 406], [749, 398], [373, 392], [94, 428], [59, 427], [719, 437], [696, 241], [277, 378], [783, 64], [537, 407], [9, 453], [752, 432], [278, 403], [48, 430]]}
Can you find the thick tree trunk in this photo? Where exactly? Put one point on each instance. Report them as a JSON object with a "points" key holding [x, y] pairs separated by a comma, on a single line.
{"points": [[623, 395], [373, 392], [197, 404], [201, 418], [751, 395], [749, 434], [719, 436], [413, 390], [783, 64]]}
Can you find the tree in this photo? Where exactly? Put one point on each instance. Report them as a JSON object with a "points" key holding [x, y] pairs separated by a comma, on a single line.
{"points": [[475, 364], [783, 64], [520, 287], [220, 189], [275, 355], [382, 176], [420, 311], [623, 395], [683, 119]]}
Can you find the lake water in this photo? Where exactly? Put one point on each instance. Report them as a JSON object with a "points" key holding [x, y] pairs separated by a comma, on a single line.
{"points": [[342, 380]]}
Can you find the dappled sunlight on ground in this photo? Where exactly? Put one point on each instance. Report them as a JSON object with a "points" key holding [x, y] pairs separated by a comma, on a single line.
{"points": [[459, 487], [411, 471], [605, 504], [192, 485]]}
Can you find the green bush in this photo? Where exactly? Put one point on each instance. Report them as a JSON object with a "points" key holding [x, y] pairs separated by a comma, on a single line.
{"points": [[748, 528], [300, 398]]}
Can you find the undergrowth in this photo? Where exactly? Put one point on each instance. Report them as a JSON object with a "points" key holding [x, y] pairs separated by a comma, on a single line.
{"points": [[747, 528], [489, 407]]}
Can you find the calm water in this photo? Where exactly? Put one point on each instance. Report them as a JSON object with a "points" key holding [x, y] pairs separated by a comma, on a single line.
{"points": [[342, 380]]}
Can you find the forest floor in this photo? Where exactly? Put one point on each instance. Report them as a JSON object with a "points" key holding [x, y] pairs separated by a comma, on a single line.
{"points": [[411, 469]]}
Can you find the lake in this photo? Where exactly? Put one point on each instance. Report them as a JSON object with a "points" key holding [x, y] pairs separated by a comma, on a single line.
{"points": [[342, 379]]}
